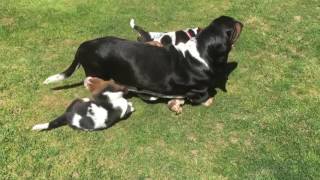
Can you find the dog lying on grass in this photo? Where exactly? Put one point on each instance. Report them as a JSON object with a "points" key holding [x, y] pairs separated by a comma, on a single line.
{"points": [[106, 108], [192, 70]]}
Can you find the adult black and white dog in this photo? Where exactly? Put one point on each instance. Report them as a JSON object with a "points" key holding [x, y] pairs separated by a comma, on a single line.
{"points": [[102, 111], [190, 69], [165, 38]]}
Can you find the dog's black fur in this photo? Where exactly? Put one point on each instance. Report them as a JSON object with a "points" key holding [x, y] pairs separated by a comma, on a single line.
{"points": [[167, 71]]}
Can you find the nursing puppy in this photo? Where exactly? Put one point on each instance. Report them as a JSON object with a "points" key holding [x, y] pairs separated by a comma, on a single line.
{"points": [[192, 69], [165, 38], [102, 111]]}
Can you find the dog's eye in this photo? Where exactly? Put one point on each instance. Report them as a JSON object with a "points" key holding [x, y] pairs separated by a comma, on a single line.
{"points": [[229, 33]]}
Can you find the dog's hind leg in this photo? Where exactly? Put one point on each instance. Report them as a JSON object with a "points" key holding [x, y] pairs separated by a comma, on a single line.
{"points": [[60, 121]]}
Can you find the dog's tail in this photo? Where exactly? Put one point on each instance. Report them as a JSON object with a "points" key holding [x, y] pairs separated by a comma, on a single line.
{"points": [[65, 74], [60, 121], [144, 35], [132, 24]]}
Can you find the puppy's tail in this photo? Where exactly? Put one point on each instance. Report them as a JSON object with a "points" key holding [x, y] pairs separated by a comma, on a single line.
{"points": [[65, 74], [60, 121], [144, 35]]}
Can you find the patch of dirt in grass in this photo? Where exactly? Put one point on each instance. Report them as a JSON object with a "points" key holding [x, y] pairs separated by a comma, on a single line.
{"points": [[71, 42], [161, 143], [297, 18], [192, 137], [234, 138], [50, 55], [257, 23], [301, 92], [216, 145], [53, 100], [219, 127], [7, 21]]}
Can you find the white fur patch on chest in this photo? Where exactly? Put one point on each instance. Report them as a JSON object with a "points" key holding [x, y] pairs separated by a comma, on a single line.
{"points": [[76, 120], [191, 47], [117, 101], [122, 104], [98, 114]]}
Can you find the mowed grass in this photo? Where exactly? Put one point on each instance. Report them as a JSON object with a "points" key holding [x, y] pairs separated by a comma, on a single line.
{"points": [[266, 127]]}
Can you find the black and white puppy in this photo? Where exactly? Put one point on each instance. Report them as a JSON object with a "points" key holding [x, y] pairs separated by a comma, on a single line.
{"points": [[192, 69], [165, 38], [102, 111]]}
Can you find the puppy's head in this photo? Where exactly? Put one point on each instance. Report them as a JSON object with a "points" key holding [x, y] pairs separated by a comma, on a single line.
{"points": [[217, 39], [96, 85]]}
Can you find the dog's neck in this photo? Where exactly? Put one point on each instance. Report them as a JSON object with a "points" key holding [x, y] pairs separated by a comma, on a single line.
{"points": [[191, 47]]}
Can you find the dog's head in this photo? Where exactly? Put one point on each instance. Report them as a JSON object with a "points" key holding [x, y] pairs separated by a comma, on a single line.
{"points": [[216, 40]]}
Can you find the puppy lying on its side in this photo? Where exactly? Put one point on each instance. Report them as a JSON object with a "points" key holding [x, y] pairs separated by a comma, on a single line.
{"points": [[106, 108]]}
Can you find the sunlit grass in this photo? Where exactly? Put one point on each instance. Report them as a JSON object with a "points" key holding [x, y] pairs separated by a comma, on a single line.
{"points": [[265, 127]]}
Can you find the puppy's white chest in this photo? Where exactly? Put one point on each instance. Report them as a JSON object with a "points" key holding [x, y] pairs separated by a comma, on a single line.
{"points": [[98, 114]]}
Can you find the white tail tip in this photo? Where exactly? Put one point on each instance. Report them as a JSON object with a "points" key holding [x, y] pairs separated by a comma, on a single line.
{"points": [[40, 127], [132, 23], [54, 78]]}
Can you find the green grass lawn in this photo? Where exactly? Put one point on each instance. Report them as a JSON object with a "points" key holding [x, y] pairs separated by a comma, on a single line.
{"points": [[266, 127]]}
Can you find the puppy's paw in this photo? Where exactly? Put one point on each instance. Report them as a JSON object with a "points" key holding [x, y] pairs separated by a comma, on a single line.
{"points": [[177, 109], [94, 84], [87, 83], [175, 105]]}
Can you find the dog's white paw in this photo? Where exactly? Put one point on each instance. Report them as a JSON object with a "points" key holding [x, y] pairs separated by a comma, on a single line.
{"points": [[153, 98], [208, 102]]}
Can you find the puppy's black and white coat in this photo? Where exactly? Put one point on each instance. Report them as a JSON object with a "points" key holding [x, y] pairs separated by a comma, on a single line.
{"points": [[104, 110], [165, 38], [192, 69]]}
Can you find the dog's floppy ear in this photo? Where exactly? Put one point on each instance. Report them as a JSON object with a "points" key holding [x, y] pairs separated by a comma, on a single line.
{"points": [[236, 32]]}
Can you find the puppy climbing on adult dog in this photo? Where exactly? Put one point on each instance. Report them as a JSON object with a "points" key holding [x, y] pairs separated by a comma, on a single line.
{"points": [[164, 38], [192, 69], [106, 108]]}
